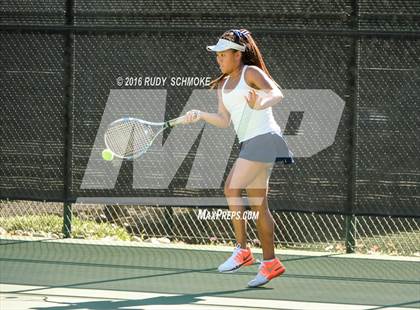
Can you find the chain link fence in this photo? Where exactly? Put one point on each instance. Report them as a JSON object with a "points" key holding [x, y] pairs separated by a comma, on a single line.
{"points": [[293, 230], [59, 61]]}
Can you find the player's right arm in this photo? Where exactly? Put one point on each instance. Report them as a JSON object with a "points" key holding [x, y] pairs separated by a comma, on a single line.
{"points": [[222, 117]]}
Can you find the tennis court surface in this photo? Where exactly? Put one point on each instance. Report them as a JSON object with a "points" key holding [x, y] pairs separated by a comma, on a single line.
{"points": [[72, 274]]}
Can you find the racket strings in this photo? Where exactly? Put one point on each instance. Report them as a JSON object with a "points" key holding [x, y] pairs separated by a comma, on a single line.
{"points": [[128, 138]]}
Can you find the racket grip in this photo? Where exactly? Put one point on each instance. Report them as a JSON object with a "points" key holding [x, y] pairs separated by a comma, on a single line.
{"points": [[176, 121]]}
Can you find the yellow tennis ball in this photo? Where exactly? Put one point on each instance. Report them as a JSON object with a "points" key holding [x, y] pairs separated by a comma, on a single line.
{"points": [[107, 155]]}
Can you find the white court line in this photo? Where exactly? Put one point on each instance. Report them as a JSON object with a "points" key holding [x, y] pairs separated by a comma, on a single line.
{"points": [[216, 248], [31, 295]]}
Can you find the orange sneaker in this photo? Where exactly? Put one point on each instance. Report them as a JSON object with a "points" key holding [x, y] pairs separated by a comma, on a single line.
{"points": [[239, 258], [267, 271]]}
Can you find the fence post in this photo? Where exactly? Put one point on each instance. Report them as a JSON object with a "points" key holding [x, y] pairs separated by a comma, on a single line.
{"points": [[350, 230], [67, 220], [68, 99]]}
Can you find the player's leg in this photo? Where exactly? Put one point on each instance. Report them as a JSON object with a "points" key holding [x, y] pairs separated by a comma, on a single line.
{"points": [[242, 173], [257, 191], [257, 196], [234, 200]]}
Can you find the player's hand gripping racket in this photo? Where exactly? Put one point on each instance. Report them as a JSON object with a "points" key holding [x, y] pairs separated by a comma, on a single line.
{"points": [[129, 138]]}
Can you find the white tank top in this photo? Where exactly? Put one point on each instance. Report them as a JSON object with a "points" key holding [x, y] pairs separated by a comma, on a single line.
{"points": [[248, 122]]}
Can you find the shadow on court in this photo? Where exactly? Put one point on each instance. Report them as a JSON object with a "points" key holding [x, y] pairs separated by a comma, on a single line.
{"points": [[163, 300]]}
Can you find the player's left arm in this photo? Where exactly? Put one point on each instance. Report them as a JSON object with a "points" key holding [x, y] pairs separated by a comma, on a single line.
{"points": [[258, 80]]}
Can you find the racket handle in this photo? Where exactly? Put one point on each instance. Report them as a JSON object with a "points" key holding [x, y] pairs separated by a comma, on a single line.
{"points": [[176, 121]]}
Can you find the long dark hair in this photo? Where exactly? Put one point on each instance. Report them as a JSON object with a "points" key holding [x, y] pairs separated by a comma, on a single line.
{"points": [[251, 55]]}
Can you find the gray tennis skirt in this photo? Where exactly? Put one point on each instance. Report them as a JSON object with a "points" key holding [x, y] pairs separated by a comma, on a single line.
{"points": [[269, 148]]}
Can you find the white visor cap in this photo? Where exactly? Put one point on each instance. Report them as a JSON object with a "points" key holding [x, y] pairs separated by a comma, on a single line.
{"points": [[223, 45]]}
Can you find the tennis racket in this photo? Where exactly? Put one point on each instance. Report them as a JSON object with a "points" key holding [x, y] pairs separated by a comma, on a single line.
{"points": [[129, 138]]}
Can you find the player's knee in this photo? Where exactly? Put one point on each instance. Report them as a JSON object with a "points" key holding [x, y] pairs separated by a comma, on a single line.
{"points": [[256, 196], [231, 191], [258, 206], [257, 189]]}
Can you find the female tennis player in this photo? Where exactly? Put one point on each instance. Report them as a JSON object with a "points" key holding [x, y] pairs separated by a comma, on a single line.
{"points": [[246, 95]]}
